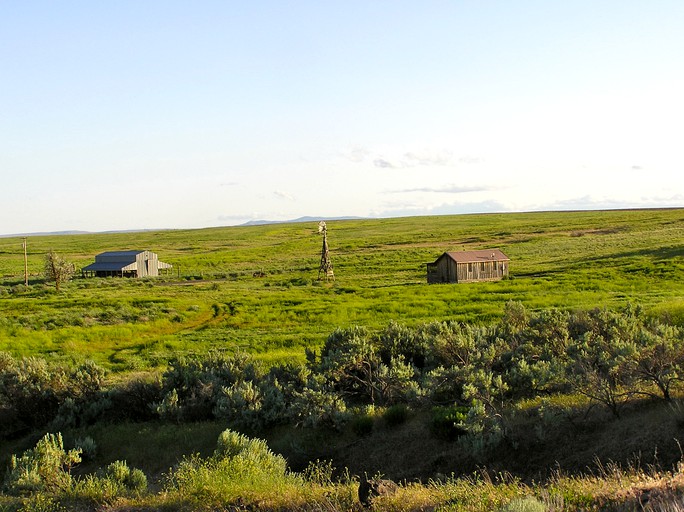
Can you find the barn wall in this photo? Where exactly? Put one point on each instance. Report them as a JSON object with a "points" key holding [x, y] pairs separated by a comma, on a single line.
{"points": [[441, 271], [153, 265], [433, 275], [481, 271], [147, 264]]}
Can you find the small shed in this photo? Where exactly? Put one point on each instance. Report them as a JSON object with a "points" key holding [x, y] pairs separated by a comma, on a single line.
{"points": [[468, 266], [126, 264]]}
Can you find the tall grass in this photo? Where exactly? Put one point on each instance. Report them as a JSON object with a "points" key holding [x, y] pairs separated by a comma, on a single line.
{"points": [[244, 474]]}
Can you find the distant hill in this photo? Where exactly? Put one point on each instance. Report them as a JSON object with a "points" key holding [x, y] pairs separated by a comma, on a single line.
{"points": [[59, 233], [300, 219], [45, 233], [250, 223]]}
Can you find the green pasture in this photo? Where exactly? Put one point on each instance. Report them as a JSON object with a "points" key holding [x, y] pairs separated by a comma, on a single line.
{"points": [[212, 301]]}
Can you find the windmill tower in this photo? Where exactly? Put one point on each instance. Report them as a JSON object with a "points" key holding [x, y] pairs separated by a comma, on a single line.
{"points": [[326, 267]]}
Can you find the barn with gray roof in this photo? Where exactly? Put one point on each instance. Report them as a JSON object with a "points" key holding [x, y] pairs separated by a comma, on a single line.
{"points": [[468, 266], [126, 264]]}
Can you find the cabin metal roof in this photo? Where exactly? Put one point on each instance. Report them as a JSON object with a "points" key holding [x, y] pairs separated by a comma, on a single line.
{"points": [[476, 256]]}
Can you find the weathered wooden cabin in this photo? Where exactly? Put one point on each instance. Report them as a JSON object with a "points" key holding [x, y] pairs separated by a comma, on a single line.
{"points": [[126, 264], [468, 266]]}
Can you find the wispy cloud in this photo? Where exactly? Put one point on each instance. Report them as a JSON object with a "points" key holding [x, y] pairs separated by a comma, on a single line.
{"points": [[410, 209], [393, 159], [447, 189], [411, 159], [382, 163], [416, 159], [283, 195], [357, 154], [470, 160], [593, 203]]}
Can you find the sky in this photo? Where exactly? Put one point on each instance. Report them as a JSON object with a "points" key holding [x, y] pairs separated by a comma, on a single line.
{"points": [[171, 115]]}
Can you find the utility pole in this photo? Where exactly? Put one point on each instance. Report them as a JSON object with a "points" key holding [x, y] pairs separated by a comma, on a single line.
{"points": [[25, 263]]}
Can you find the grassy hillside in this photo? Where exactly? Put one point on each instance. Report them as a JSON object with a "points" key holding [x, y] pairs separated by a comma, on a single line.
{"points": [[558, 259], [545, 436]]}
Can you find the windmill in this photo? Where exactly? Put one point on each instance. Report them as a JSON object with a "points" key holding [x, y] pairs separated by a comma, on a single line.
{"points": [[326, 267]]}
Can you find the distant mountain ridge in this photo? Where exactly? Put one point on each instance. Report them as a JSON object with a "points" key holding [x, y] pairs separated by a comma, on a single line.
{"points": [[76, 232], [299, 220], [249, 223], [45, 233]]}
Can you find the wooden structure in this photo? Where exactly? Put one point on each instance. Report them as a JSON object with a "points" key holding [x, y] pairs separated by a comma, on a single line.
{"points": [[326, 267], [468, 266], [126, 264]]}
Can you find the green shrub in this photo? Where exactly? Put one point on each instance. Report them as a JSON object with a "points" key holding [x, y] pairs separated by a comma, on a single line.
{"points": [[318, 408], [444, 385], [253, 454], [169, 408], [240, 403], [526, 504], [86, 379], [45, 467], [399, 341], [362, 425], [193, 385], [449, 422], [241, 470], [396, 415], [39, 392], [33, 389], [87, 446], [116, 480], [319, 472], [137, 481], [119, 473], [133, 399]]}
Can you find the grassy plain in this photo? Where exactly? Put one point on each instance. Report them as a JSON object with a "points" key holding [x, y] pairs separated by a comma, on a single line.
{"points": [[213, 301]]}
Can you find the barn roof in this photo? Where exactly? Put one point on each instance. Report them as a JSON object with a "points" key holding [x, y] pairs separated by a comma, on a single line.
{"points": [[123, 254], [476, 256], [110, 266]]}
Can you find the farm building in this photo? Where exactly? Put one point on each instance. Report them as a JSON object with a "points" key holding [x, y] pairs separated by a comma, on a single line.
{"points": [[468, 266], [125, 264]]}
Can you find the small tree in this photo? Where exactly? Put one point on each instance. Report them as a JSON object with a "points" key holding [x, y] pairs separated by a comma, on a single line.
{"points": [[57, 269]]}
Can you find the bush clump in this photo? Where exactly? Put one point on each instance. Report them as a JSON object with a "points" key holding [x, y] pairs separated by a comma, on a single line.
{"points": [[241, 469], [396, 415], [43, 468], [526, 504], [449, 422], [363, 425]]}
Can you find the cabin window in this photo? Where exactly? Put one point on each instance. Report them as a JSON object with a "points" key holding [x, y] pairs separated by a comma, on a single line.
{"points": [[470, 267], [482, 266]]}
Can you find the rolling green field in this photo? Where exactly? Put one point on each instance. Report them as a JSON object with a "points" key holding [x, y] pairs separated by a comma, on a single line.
{"points": [[501, 381], [213, 301]]}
